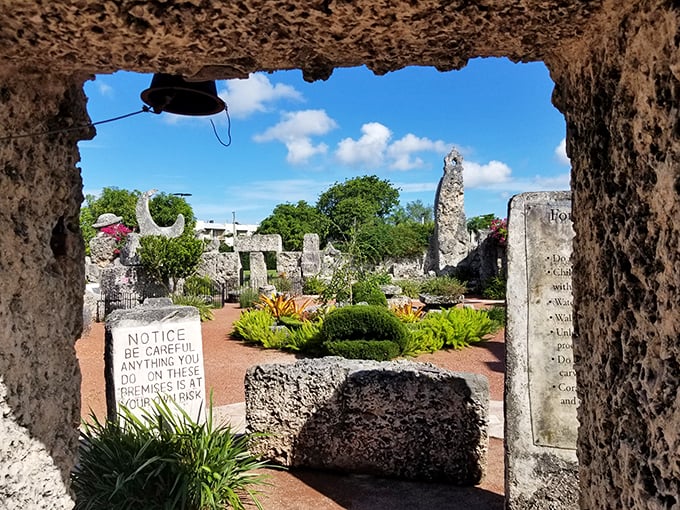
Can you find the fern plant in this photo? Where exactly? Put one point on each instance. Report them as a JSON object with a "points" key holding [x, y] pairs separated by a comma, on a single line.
{"points": [[259, 327], [455, 328]]}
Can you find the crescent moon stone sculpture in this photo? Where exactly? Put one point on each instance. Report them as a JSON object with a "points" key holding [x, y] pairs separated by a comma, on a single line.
{"points": [[148, 227]]}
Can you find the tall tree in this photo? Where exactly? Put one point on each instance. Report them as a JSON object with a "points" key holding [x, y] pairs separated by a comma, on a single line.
{"points": [[169, 259], [164, 209], [120, 202], [356, 202], [419, 212], [292, 222]]}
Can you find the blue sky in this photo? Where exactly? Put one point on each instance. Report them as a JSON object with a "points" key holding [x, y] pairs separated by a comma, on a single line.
{"points": [[292, 139]]}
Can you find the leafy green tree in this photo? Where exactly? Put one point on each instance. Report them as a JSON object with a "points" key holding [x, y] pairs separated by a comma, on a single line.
{"points": [[482, 222], [292, 222], [164, 209], [169, 259], [410, 239], [355, 202], [120, 202], [419, 212]]}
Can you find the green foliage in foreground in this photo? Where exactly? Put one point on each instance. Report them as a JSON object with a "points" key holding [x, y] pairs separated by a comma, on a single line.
{"points": [[364, 322], [371, 329], [259, 327], [450, 329], [378, 350], [164, 460], [204, 309]]}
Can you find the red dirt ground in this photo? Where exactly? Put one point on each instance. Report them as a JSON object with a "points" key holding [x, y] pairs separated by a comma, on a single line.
{"points": [[226, 361]]}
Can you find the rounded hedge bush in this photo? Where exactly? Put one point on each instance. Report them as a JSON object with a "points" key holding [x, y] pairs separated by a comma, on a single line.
{"points": [[364, 322], [377, 350], [368, 292]]}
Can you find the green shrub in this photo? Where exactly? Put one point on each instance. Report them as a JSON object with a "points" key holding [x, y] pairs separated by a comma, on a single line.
{"points": [[368, 292], [313, 286], [377, 278], [410, 288], [443, 286], [497, 314], [422, 340], [364, 322], [198, 286], [282, 283], [258, 326], [494, 287], [162, 460], [199, 302], [290, 322], [378, 350], [305, 338], [248, 297], [454, 328]]}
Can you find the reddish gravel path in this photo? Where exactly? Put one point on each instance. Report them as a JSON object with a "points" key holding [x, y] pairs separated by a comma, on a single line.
{"points": [[226, 361]]}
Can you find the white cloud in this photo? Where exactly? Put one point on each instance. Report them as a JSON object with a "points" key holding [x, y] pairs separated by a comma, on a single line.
{"points": [[367, 150], [374, 149], [295, 131], [401, 151], [491, 174], [254, 94], [104, 89], [561, 152]]}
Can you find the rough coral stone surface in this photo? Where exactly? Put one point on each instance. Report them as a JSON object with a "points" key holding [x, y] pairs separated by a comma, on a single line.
{"points": [[400, 419], [42, 274], [450, 240], [620, 92], [213, 38], [616, 69]]}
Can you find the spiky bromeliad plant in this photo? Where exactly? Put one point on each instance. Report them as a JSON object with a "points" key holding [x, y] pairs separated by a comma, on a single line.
{"points": [[164, 460], [282, 305]]}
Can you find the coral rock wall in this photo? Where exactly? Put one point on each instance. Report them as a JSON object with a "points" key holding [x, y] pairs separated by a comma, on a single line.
{"points": [[42, 275], [621, 96], [617, 74]]}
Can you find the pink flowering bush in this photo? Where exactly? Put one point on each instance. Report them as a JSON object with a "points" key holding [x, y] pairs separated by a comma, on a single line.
{"points": [[499, 231], [119, 232]]}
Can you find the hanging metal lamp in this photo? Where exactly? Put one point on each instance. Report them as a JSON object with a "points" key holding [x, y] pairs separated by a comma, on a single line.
{"points": [[173, 94]]}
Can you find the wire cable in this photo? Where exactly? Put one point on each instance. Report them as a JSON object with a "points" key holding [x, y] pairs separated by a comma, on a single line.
{"points": [[226, 111], [74, 128]]}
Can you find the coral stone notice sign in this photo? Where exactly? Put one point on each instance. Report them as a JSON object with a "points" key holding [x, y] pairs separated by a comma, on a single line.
{"points": [[152, 353], [552, 379]]}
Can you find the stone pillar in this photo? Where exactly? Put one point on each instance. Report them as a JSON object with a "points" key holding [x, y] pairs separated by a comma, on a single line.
{"points": [[449, 245], [311, 256], [258, 270], [43, 281], [619, 90]]}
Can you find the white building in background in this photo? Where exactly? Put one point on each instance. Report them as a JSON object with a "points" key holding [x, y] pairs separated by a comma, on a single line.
{"points": [[209, 230]]}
